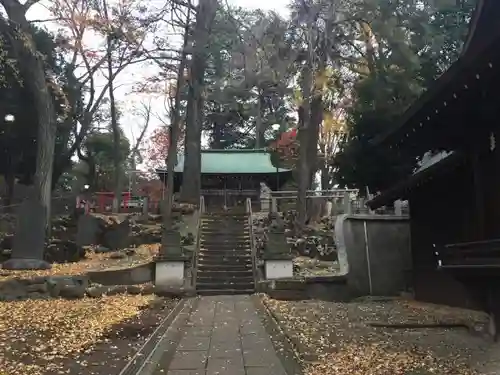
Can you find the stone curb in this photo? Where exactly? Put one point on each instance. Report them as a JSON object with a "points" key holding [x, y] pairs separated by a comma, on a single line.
{"points": [[287, 352]]}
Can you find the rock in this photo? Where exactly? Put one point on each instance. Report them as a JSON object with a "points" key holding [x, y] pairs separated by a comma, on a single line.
{"points": [[117, 255], [130, 252], [173, 292], [101, 249], [26, 264], [117, 237], [39, 296], [88, 230], [148, 289], [67, 287], [64, 251], [188, 239], [37, 288], [134, 289], [110, 290], [13, 290]]}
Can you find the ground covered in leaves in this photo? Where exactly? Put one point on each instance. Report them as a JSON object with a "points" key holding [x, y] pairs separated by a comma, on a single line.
{"points": [[87, 336], [93, 261], [338, 339]]}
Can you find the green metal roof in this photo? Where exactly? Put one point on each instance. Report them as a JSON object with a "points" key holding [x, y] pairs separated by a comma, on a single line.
{"points": [[234, 161]]}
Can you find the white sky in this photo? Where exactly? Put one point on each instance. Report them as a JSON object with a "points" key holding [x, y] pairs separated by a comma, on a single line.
{"points": [[130, 122]]}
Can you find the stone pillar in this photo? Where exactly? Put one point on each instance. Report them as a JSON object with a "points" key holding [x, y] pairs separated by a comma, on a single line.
{"points": [[347, 204], [274, 204], [398, 208], [145, 206], [170, 263], [265, 198], [278, 261]]}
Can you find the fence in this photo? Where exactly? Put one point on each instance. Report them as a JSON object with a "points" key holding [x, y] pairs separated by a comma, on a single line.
{"points": [[104, 204], [329, 202]]}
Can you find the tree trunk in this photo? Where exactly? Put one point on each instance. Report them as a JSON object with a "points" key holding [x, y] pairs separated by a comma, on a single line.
{"points": [[316, 117], [259, 133], [33, 73], [303, 165], [325, 178], [117, 159], [174, 130], [10, 181], [191, 183]]}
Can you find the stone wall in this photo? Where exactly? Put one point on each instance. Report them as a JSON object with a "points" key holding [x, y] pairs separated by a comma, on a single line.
{"points": [[374, 253]]}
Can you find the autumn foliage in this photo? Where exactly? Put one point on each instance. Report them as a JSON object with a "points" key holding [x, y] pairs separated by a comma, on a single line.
{"points": [[285, 150], [157, 148]]}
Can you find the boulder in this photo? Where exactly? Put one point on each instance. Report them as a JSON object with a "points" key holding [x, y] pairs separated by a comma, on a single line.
{"points": [[88, 229], [117, 236], [67, 287], [108, 290], [60, 251]]}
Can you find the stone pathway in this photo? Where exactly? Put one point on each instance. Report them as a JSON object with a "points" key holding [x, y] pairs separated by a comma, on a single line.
{"points": [[224, 336]]}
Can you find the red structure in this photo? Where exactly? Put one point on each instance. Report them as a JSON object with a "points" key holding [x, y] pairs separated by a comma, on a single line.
{"points": [[105, 198]]}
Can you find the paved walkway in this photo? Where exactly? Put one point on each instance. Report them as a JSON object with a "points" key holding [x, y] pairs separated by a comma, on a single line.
{"points": [[224, 336]]}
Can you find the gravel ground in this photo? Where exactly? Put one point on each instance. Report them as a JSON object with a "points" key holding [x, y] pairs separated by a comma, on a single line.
{"points": [[337, 339]]}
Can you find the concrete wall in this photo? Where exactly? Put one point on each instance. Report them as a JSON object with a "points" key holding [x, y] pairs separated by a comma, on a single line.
{"points": [[379, 265]]}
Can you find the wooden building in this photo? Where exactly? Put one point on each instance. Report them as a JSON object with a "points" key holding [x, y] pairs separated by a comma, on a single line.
{"points": [[455, 196], [228, 177]]}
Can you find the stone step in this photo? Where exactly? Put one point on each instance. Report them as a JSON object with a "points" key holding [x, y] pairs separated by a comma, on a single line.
{"points": [[226, 261], [210, 267], [221, 292], [225, 236], [236, 222], [234, 242], [227, 281], [219, 286], [218, 227], [225, 245], [220, 252], [225, 273], [224, 232], [226, 252], [213, 257], [225, 214]]}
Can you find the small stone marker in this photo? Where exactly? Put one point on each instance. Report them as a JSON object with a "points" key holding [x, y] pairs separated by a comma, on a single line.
{"points": [[87, 230], [29, 241]]}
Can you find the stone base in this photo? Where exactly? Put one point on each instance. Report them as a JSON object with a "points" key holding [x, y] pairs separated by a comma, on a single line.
{"points": [[26, 264], [278, 269], [169, 273]]}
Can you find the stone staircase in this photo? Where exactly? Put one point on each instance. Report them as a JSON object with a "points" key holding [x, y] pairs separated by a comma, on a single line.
{"points": [[224, 263]]}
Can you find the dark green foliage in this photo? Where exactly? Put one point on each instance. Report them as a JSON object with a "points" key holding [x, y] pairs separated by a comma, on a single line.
{"points": [[18, 138], [416, 45]]}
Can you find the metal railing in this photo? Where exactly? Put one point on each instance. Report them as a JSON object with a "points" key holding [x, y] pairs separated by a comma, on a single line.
{"points": [[194, 260], [252, 243]]}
